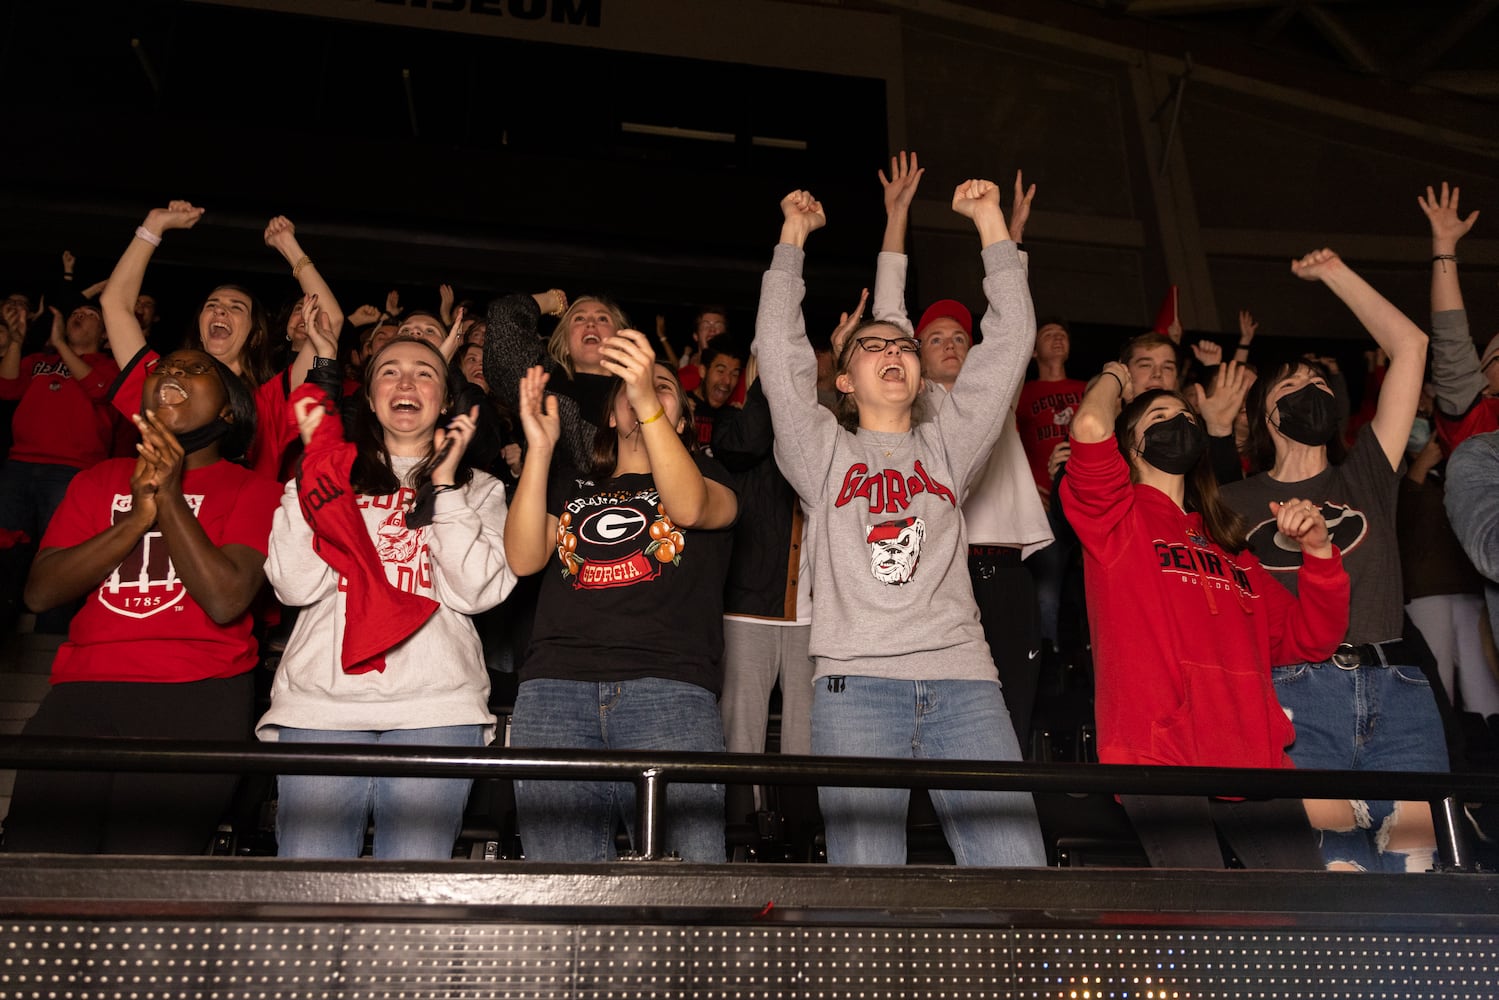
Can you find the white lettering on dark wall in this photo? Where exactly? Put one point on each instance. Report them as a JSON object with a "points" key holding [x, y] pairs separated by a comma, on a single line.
{"points": [[584, 13]]}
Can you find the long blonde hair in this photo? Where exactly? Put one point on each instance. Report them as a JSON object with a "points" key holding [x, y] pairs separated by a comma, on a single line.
{"points": [[557, 343]]}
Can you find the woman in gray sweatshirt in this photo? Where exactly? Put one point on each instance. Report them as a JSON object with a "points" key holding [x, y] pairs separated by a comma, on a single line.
{"points": [[902, 669]]}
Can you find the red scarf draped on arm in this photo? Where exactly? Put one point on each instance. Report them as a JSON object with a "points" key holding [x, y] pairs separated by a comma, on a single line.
{"points": [[378, 616]]}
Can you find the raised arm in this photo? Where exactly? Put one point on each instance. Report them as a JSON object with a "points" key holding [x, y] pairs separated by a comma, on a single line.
{"points": [[529, 529], [804, 430], [1247, 329], [900, 190], [692, 500], [984, 392], [12, 334], [1454, 362], [1095, 491], [1401, 339], [1105, 395], [511, 343], [117, 301], [468, 526], [281, 236]]}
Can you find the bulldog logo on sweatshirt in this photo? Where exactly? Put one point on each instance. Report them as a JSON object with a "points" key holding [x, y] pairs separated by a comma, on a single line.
{"points": [[895, 549]]}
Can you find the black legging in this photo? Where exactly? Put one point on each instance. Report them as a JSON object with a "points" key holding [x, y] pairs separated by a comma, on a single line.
{"points": [[102, 812], [1181, 831]]}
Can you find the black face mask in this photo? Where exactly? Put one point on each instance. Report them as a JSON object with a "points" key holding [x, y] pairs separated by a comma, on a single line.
{"points": [[1174, 445], [1308, 416], [202, 437]]}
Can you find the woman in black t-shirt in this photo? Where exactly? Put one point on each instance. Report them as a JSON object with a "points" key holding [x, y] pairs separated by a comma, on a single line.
{"points": [[1370, 706], [627, 647]]}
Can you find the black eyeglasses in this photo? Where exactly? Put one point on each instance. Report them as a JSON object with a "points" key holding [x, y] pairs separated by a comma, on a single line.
{"points": [[874, 345]]}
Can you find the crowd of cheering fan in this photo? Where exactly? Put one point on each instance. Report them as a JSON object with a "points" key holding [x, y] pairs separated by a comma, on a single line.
{"points": [[893, 535]]}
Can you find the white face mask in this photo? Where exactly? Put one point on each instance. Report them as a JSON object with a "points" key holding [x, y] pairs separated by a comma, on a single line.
{"points": [[1420, 436]]}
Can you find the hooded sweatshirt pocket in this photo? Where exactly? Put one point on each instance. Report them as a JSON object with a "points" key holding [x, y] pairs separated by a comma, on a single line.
{"points": [[1228, 718]]}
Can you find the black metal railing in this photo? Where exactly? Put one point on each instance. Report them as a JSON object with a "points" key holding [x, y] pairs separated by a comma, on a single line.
{"points": [[652, 771]]}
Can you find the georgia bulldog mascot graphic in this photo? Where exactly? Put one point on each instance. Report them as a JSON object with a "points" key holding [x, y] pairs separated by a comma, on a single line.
{"points": [[895, 549]]}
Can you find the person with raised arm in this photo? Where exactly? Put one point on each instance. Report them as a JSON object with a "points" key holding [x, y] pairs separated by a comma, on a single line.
{"points": [[902, 669], [168, 549], [1003, 515], [572, 355], [627, 649], [232, 327], [1467, 385], [1369, 706], [1186, 623], [389, 543], [63, 424]]}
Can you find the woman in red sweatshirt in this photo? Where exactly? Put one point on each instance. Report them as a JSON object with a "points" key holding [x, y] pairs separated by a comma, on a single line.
{"points": [[1186, 623]]}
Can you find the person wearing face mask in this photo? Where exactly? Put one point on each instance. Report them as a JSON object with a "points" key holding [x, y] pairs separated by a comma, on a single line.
{"points": [[1443, 591], [1186, 622], [1369, 706], [168, 551]]}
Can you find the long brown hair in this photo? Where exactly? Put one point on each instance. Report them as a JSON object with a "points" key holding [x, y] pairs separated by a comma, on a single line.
{"points": [[1221, 522], [373, 474], [557, 342], [255, 356], [606, 438]]}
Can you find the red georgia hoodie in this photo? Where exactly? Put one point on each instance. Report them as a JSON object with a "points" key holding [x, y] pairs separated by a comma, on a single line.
{"points": [[1184, 634]]}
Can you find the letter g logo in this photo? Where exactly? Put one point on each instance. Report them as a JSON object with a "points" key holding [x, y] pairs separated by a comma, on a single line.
{"points": [[612, 526]]}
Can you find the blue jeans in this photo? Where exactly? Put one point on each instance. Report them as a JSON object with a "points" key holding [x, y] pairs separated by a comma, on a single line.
{"points": [[575, 820], [939, 720], [1365, 719], [325, 815]]}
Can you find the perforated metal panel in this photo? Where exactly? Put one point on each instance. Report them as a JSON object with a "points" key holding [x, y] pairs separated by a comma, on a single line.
{"points": [[183, 960]]}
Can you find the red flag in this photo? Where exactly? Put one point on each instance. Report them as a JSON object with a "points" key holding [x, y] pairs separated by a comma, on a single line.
{"points": [[1168, 318]]}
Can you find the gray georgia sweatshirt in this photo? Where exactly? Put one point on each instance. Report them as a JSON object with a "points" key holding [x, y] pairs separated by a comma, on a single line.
{"points": [[889, 560]]}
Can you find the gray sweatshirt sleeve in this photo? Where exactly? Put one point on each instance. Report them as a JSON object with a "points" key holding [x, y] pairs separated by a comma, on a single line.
{"points": [[984, 392], [890, 291], [1454, 363], [467, 544], [805, 431]]}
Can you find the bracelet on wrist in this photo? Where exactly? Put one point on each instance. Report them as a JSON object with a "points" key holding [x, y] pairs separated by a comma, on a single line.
{"points": [[444, 488], [1116, 378], [144, 234], [659, 414], [1244, 345], [321, 362], [296, 269]]}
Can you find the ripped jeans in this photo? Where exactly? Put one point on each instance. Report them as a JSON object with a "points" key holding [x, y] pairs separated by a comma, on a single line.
{"points": [[1368, 718]]}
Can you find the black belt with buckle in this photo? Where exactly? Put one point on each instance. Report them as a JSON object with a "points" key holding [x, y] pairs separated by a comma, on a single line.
{"points": [[1351, 656]]}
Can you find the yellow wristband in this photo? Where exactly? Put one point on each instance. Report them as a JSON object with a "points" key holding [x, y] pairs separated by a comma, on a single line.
{"points": [[296, 269], [659, 414]]}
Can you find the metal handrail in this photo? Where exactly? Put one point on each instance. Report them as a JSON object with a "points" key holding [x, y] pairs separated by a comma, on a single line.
{"points": [[652, 771]]}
